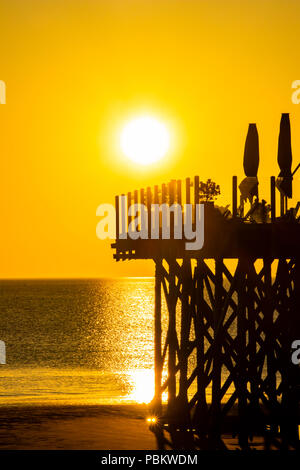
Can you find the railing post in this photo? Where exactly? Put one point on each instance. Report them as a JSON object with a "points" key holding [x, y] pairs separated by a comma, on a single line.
{"points": [[117, 218], [128, 207], [123, 233], [149, 202]]}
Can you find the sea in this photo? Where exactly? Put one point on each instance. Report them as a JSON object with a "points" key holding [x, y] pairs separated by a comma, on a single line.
{"points": [[86, 341]]}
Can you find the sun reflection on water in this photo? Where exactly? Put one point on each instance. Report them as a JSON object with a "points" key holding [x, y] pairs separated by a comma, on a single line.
{"points": [[142, 385]]}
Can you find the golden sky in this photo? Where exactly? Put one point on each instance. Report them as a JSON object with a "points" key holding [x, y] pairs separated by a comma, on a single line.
{"points": [[77, 70]]}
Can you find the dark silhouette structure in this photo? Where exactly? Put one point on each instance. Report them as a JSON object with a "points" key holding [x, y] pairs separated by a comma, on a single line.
{"points": [[226, 315]]}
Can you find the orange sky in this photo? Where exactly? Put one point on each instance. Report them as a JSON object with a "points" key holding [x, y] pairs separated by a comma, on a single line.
{"points": [[77, 70]]}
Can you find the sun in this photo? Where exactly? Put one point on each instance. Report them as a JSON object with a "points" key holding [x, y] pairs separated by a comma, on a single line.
{"points": [[145, 140]]}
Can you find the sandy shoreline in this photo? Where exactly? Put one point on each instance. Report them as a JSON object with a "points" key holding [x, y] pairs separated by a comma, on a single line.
{"points": [[84, 427], [102, 427]]}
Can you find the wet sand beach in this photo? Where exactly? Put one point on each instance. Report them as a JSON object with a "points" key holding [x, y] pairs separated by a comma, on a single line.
{"points": [[75, 427], [78, 427]]}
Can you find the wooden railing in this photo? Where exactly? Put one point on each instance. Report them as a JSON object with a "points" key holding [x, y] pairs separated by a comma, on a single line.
{"points": [[176, 192]]}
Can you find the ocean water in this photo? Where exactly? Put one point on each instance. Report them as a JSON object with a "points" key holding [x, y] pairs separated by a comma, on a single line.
{"points": [[77, 341]]}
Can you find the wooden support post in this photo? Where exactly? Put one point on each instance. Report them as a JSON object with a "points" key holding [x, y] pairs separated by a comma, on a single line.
{"points": [[252, 339], [171, 202], [129, 202], [157, 337], [217, 347], [273, 199], [234, 196], [172, 335], [188, 190], [270, 335], [187, 292], [196, 196], [201, 412]]}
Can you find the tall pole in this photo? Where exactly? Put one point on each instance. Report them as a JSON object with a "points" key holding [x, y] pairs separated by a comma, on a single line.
{"points": [[234, 196], [273, 199]]}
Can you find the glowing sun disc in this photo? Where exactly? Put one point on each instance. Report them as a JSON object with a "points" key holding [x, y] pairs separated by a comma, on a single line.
{"points": [[145, 140]]}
